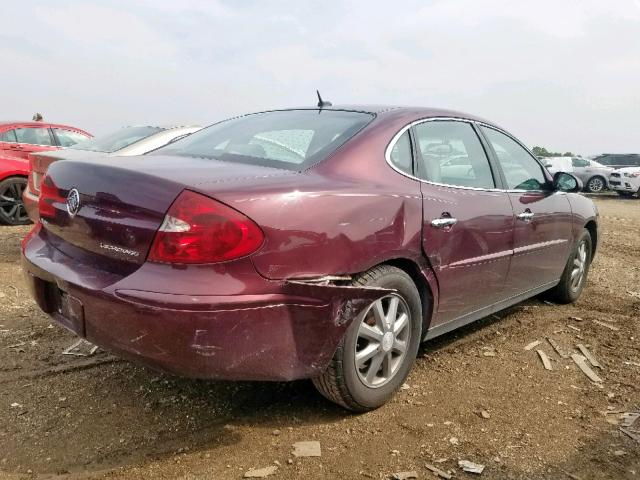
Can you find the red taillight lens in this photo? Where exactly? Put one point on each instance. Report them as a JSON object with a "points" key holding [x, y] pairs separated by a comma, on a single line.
{"points": [[34, 182], [34, 176], [198, 229], [49, 194]]}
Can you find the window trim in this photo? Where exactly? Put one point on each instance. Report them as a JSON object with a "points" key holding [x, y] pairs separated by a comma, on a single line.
{"points": [[412, 152], [497, 178], [491, 156]]}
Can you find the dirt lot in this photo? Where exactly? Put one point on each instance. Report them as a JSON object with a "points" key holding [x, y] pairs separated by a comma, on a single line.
{"points": [[68, 417]]}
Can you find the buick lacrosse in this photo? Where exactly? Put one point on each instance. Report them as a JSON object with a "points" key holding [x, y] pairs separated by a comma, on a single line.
{"points": [[322, 243]]}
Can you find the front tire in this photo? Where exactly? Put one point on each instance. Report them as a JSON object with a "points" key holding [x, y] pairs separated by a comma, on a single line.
{"points": [[596, 184], [575, 272], [12, 211], [379, 348]]}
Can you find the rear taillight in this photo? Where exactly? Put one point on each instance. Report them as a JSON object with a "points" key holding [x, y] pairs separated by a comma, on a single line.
{"points": [[34, 182], [34, 176], [198, 229], [49, 195]]}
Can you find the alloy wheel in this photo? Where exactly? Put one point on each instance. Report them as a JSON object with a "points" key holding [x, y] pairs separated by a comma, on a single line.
{"points": [[11, 204], [595, 185], [383, 339], [579, 266]]}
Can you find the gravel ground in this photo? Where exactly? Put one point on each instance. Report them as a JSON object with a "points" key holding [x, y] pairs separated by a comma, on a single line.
{"points": [[475, 394]]}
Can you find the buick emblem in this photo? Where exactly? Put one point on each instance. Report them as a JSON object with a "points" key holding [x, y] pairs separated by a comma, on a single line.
{"points": [[73, 202]]}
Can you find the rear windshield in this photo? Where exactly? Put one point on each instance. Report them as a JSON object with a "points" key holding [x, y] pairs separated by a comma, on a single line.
{"points": [[117, 140], [290, 139]]}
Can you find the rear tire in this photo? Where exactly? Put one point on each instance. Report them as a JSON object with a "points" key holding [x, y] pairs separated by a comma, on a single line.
{"points": [[369, 365], [596, 184], [575, 272], [12, 211]]}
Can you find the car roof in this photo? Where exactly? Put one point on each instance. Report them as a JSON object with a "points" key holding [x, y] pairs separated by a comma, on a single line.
{"points": [[31, 123], [410, 113], [618, 155]]}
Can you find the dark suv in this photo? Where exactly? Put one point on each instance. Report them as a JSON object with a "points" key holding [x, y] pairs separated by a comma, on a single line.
{"points": [[618, 160]]}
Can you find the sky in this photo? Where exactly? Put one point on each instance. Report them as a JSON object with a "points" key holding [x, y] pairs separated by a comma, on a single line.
{"points": [[561, 74]]}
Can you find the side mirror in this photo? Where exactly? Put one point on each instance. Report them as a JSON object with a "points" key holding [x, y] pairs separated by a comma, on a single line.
{"points": [[565, 182]]}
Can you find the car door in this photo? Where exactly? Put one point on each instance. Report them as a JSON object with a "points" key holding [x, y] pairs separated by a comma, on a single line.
{"points": [[582, 169], [9, 142], [542, 234], [467, 228], [32, 139]]}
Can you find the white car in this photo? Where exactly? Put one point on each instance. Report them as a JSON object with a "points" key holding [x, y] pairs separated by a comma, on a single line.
{"points": [[594, 176], [625, 181]]}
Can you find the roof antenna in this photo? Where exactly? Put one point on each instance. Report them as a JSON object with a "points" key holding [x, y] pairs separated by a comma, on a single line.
{"points": [[321, 102]]}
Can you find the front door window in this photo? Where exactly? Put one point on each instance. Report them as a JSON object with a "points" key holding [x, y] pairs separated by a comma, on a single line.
{"points": [[521, 170]]}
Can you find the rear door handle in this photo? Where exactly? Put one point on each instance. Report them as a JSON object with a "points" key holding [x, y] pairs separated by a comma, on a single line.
{"points": [[15, 147], [443, 222], [526, 216]]}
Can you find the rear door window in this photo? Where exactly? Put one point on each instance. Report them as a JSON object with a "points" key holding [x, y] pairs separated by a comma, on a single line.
{"points": [[34, 136], [631, 160], [521, 170], [8, 136], [400, 155], [451, 153], [579, 162]]}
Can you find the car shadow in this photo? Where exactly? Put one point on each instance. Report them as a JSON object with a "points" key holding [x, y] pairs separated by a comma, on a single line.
{"points": [[119, 413]]}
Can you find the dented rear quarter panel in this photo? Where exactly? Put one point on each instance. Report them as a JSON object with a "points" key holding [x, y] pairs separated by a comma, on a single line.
{"points": [[344, 216]]}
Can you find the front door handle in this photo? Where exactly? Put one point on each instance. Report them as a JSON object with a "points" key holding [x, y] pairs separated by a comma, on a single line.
{"points": [[526, 216], [443, 222]]}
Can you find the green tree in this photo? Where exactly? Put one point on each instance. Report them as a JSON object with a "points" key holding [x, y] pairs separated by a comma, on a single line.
{"points": [[543, 152]]}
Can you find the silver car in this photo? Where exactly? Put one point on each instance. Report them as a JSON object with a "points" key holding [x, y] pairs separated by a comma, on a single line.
{"points": [[594, 176]]}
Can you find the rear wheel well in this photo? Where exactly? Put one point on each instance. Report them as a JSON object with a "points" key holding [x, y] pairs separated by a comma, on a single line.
{"points": [[593, 231], [426, 295]]}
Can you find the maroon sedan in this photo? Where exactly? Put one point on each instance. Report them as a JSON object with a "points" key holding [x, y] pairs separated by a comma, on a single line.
{"points": [[321, 243]]}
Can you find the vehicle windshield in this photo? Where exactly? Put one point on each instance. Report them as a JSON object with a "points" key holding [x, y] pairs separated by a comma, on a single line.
{"points": [[289, 139], [116, 140]]}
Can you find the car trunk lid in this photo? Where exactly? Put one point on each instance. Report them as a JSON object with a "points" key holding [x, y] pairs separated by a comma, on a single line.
{"points": [[40, 162], [114, 206]]}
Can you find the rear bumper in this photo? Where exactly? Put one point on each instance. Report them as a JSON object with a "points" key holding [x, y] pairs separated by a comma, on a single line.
{"points": [[286, 331]]}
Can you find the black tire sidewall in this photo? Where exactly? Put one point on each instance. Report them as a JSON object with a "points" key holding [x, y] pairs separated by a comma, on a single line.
{"points": [[3, 219], [572, 295], [589, 189], [375, 397]]}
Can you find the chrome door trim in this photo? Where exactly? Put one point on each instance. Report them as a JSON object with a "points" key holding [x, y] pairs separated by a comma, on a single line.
{"points": [[394, 140]]}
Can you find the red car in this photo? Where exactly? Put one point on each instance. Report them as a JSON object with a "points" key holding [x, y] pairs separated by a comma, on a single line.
{"points": [[17, 141], [321, 243]]}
